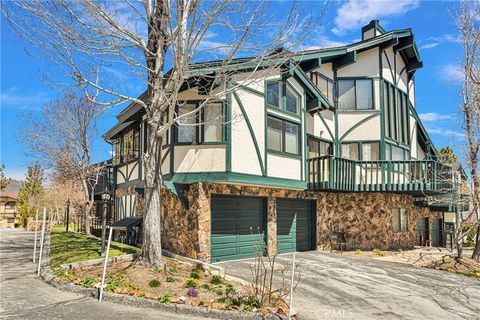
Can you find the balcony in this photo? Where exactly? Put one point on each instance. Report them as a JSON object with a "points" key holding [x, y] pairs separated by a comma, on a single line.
{"points": [[417, 177]]}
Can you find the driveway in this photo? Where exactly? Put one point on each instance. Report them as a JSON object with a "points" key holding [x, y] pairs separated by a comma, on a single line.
{"points": [[23, 296], [340, 287]]}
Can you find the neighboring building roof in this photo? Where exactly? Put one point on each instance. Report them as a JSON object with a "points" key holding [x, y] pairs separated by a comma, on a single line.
{"points": [[9, 194]]}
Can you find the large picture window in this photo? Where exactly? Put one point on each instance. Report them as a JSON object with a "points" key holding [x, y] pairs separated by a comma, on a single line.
{"points": [[283, 136], [364, 151], [281, 95], [355, 94], [400, 220]]}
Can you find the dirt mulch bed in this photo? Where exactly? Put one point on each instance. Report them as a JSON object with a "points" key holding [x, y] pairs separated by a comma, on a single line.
{"points": [[178, 282]]}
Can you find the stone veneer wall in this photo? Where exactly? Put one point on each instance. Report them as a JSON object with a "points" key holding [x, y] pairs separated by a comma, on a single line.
{"points": [[365, 217]]}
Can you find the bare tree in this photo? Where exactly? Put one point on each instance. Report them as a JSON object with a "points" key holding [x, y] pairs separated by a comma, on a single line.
{"points": [[62, 138], [468, 23], [164, 46]]}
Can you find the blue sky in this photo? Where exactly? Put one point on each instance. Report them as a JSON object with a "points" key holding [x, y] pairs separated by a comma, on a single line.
{"points": [[24, 88]]}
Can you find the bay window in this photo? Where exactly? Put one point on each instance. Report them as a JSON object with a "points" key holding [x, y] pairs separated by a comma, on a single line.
{"points": [[283, 136], [205, 125], [213, 122], [355, 94], [186, 127], [281, 95], [127, 146]]}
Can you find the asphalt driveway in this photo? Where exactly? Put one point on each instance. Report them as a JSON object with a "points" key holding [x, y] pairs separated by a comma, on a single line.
{"points": [[339, 287]]}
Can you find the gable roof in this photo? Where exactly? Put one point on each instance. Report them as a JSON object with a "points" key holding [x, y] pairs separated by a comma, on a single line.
{"points": [[9, 194]]}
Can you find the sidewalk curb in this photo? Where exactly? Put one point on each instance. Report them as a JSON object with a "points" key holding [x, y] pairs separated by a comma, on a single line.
{"points": [[47, 276]]}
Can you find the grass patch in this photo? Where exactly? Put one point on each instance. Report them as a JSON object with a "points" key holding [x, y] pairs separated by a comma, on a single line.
{"points": [[70, 247]]}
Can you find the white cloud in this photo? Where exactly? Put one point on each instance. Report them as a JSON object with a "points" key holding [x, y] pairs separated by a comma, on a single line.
{"points": [[354, 14], [322, 41], [433, 42], [434, 117], [12, 98], [445, 132], [451, 73]]}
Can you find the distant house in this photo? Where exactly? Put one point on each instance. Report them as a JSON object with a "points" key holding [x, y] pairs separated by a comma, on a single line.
{"points": [[8, 209], [328, 147]]}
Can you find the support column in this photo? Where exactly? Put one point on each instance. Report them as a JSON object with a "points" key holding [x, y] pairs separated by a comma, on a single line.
{"points": [[272, 225], [202, 208]]}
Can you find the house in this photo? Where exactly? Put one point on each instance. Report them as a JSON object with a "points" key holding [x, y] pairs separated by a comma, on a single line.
{"points": [[8, 209], [329, 146]]}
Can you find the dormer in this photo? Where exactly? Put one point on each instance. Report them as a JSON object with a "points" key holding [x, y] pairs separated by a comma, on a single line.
{"points": [[371, 30]]}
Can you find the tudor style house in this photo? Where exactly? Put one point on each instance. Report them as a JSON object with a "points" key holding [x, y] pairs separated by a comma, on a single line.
{"points": [[9, 215], [329, 146]]}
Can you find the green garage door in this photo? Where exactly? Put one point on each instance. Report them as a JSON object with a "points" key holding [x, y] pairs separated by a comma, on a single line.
{"points": [[237, 227], [294, 225]]}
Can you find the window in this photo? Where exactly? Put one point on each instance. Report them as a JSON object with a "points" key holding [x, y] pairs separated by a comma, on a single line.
{"points": [[355, 94], [213, 122], [10, 205], [350, 151], [283, 136], [282, 95], [370, 151], [127, 146], [10, 220], [398, 153], [318, 148], [396, 114], [400, 220], [186, 128]]}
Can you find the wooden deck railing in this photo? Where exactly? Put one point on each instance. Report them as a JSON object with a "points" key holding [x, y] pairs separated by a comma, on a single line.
{"points": [[334, 173]]}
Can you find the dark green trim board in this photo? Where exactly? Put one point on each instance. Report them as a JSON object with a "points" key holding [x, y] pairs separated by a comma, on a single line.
{"points": [[248, 89], [359, 123], [252, 133], [235, 177], [228, 133], [349, 58], [326, 125]]}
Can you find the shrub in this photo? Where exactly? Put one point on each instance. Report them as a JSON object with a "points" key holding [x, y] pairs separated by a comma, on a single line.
{"points": [[154, 283], [378, 252], [173, 269], [195, 274], [113, 282], [251, 301], [166, 298], [190, 283], [230, 290], [170, 279], [216, 280], [358, 251], [142, 294], [87, 283], [219, 292], [205, 287], [192, 292]]}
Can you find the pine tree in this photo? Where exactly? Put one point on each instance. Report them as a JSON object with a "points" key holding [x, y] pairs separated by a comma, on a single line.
{"points": [[4, 181], [31, 193]]}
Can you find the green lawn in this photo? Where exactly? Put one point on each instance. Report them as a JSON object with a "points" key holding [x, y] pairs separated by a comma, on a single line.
{"points": [[69, 247]]}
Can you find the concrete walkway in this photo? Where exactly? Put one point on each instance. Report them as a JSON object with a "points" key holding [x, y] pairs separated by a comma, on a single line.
{"points": [[22, 296], [343, 287]]}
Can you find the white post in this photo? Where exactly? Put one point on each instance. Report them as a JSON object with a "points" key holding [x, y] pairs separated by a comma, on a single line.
{"points": [[42, 237], [291, 289], [35, 243], [105, 265]]}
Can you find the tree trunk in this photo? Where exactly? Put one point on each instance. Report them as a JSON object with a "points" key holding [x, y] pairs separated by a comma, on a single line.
{"points": [[476, 251], [152, 240]]}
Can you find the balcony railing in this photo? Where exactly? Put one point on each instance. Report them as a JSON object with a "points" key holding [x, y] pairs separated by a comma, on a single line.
{"points": [[334, 173]]}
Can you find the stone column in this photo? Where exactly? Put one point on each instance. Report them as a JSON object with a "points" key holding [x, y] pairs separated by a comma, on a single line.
{"points": [[272, 225], [201, 205]]}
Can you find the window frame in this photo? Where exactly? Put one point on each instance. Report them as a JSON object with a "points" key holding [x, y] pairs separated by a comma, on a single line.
{"points": [[203, 124], [396, 107], [318, 141], [120, 156], [283, 132], [360, 148], [401, 227], [283, 97], [355, 79]]}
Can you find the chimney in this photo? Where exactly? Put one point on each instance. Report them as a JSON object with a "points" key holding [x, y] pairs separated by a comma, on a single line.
{"points": [[371, 30]]}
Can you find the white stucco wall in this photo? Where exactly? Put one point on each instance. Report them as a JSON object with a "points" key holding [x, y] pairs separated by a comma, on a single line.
{"points": [[279, 166], [127, 172], [366, 65], [316, 127], [199, 158], [369, 130], [326, 70]]}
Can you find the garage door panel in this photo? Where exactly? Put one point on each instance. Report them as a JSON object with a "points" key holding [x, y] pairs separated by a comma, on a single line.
{"points": [[294, 225], [240, 235]]}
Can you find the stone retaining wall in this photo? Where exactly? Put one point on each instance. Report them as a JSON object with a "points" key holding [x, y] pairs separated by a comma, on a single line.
{"points": [[365, 218]]}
